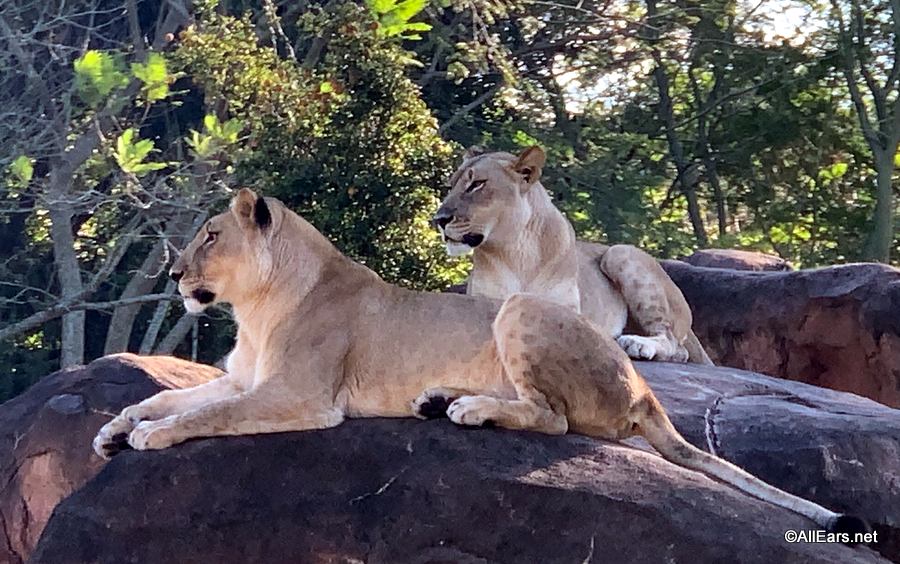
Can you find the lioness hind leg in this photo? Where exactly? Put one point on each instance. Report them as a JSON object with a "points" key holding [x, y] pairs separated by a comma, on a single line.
{"points": [[645, 287], [511, 414], [517, 330]]}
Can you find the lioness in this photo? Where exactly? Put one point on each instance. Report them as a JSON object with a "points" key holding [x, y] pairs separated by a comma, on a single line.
{"points": [[498, 208], [321, 338]]}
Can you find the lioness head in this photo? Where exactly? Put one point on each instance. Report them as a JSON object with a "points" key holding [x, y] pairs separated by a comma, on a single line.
{"points": [[229, 257], [487, 200]]}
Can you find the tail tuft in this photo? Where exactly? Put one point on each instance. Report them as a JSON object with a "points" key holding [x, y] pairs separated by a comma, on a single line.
{"points": [[849, 525]]}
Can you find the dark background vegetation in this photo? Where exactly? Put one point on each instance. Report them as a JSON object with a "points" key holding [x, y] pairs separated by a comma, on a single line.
{"points": [[673, 125]]}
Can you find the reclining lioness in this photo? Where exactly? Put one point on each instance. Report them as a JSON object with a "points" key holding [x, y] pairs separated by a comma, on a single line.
{"points": [[521, 242], [321, 338]]}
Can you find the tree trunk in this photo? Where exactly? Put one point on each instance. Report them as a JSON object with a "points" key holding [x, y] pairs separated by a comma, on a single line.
{"points": [[712, 173], [667, 116], [176, 335], [68, 272], [159, 315], [144, 280], [881, 238]]}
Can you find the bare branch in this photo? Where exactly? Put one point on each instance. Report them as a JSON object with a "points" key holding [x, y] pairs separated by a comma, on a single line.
{"points": [[69, 306]]}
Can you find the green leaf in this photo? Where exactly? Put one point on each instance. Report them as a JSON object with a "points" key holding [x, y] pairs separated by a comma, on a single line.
{"points": [[23, 169], [97, 74], [154, 76], [381, 6], [130, 155], [836, 170], [326, 87], [407, 9]]}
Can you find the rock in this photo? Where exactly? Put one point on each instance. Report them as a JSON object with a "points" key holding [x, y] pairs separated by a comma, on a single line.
{"points": [[399, 491], [45, 434], [737, 260], [836, 327]]}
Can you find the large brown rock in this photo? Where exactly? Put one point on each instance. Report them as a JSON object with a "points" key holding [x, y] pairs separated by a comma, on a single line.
{"points": [[46, 432], [836, 327], [402, 491], [737, 260]]}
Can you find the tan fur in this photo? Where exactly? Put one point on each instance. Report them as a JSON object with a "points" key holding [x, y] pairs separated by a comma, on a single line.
{"points": [[322, 338], [529, 246]]}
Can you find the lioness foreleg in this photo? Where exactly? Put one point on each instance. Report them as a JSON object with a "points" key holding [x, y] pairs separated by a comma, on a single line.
{"points": [[642, 283], [433, 402], [248, 413], [113, 437]]}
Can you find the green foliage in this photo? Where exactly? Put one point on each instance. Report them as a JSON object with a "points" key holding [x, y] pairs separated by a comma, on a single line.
{"points": [[216, 137], [347, 143], [97, 75], [20, 172], [131, 155], [154, 77], [394, 17]]}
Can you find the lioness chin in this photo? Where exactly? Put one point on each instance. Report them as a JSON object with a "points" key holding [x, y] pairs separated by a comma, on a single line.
{"points": [[498, 210], [321, 338]]}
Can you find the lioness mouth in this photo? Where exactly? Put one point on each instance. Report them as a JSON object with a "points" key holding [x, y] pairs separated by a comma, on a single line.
{"points": [[203, 296], [469, 239], [472, 239]]}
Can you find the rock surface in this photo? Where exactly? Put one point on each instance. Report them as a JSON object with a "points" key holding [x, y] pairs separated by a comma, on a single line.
{"points": [[398, 491], [45, 434], [835, 327], [737, 260]]}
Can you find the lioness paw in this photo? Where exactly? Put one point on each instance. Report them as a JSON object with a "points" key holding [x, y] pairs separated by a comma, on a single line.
{"points": [[112, 438], [640, 348], [432, 404], [473, 411], [151, 435]]}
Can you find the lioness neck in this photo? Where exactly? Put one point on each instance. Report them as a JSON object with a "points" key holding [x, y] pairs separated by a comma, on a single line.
{"points": [[305, 264], [527, 253]]}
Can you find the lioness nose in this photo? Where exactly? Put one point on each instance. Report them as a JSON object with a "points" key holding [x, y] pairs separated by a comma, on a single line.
{"points": [[442, 218], [176, 275]]}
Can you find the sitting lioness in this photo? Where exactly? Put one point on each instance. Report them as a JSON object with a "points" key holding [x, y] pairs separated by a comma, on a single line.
{"points": [[498, 209], [321, 338]]}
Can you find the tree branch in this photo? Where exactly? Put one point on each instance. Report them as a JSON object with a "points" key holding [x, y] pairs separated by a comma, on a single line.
{"points": [[63, 308]]}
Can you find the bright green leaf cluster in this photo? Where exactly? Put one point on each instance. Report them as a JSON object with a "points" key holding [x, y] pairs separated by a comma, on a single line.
{"points": [[21, 171], [154, 77], [394, 18], [97, 75], [216, 136], [131, 154]]}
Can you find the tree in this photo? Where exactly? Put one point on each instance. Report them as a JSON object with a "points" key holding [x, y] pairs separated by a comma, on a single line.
{"points": [[868, 49]]}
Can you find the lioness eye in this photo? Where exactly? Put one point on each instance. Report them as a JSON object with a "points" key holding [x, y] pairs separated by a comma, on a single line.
{"points": [[210, 238], [476, 185]]}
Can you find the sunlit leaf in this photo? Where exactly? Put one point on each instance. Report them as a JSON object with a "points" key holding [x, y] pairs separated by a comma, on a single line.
{"points": [[97, 75], [154, 76], [22, 169]]}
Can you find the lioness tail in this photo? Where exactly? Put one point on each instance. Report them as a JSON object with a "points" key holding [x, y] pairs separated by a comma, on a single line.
{"points": [[656, 427]]}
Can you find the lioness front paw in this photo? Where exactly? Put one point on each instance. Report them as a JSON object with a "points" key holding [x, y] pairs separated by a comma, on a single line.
{"points": [[473, 411], [641, 348], [152, 435], [112, 438], [432, 404]]}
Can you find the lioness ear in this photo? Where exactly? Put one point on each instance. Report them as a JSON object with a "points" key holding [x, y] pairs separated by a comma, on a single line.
{"points": [[472, 152], [251, 211], [530, 163]]}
